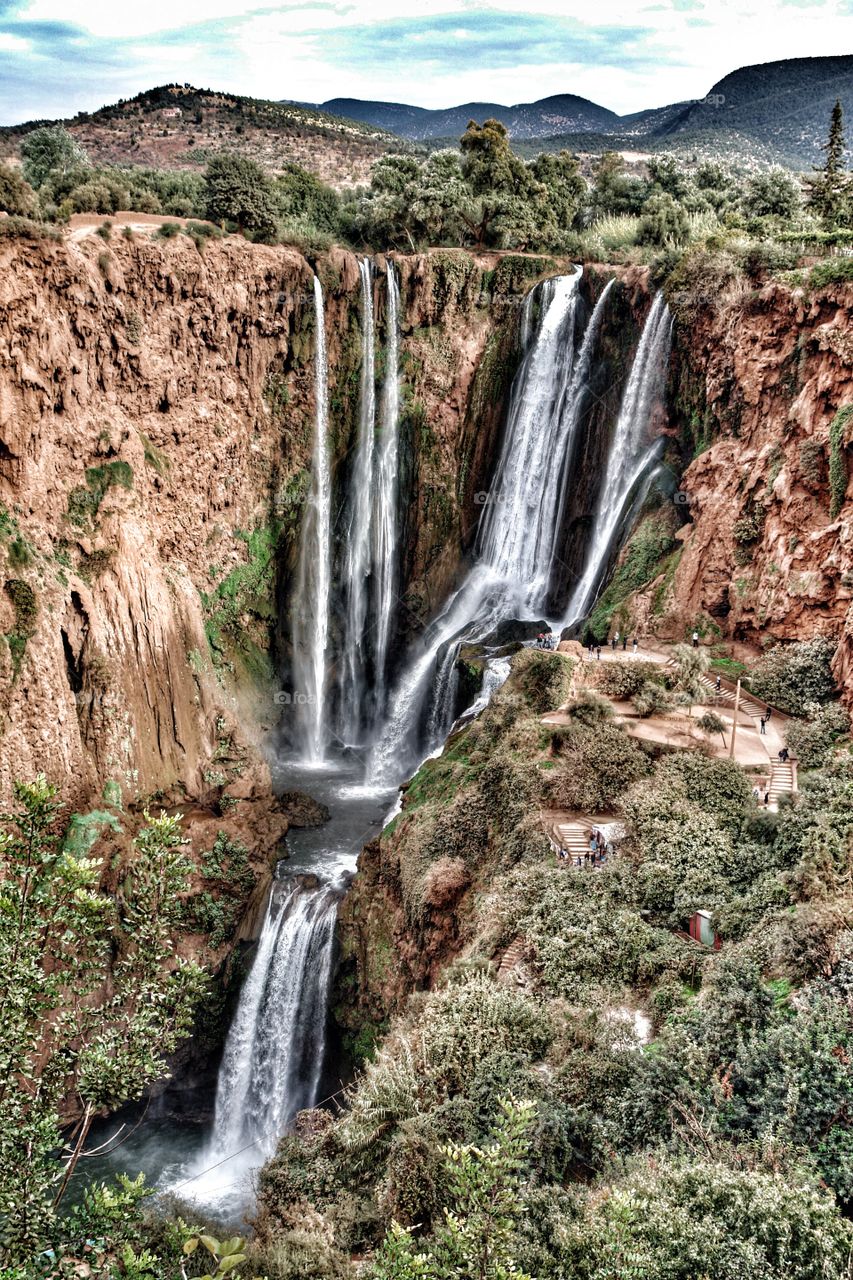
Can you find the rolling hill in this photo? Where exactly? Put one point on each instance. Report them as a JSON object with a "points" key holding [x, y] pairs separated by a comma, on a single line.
{"points": [[179, 127]]}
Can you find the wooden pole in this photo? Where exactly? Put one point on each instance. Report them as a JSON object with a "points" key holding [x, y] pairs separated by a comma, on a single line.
{"points": [[734, 721]]}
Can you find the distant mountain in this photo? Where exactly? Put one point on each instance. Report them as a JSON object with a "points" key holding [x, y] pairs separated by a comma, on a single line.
{"points": [[775, 112], [784, 106], [562, 113]]}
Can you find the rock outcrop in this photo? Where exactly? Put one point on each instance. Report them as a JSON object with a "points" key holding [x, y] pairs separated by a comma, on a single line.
{"points": [[758, 382]]}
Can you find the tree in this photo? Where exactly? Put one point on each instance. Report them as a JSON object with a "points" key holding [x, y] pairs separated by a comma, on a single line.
{"points": [[51, 150], [508, 202], [614, 191], [92, 1001], [690, 665], [664, 221], [773, 194], [565, 188], [239, 190], [830, 189], [16, 195]]}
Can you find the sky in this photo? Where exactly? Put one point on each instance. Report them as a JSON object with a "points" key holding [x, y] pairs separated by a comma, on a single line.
{"points": [[58, 57]]}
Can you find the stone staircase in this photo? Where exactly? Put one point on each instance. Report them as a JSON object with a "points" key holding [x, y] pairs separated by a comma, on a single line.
{"points": [[782, 781], [573, 836], [726, 697], [508, 969]]}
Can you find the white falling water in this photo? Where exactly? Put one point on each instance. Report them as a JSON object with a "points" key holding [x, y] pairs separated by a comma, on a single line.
{"points": [[631, 457], [357, 549], [273, 1059], [312, 596], [385, 527], [517, 536], [495, 673]]}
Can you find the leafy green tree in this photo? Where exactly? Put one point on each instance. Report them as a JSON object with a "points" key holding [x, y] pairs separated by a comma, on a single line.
{"points": [[830, 189], [509, 203], [439, 199], [301, 196], [774, 194], [690, 666], [50, 150], [565, 188], [238, 190], [16, 195], [478, 1237], [92, 1001], [794, 677], [663, 221], [614, 191]]}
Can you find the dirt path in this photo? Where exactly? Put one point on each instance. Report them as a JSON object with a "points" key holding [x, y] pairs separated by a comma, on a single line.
{"points": [[81, 225]]}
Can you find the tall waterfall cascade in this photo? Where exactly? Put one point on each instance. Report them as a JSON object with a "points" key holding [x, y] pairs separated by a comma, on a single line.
{"points": [[385, 527], [369, 570], [631, 458], [313, 594], [274, 1055], [357, 561], [520, 527]]}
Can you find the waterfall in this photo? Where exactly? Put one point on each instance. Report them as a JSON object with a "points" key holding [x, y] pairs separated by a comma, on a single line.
{"points": [[311, 601], [516, 542], [273, 1059], [631, 457], [385, 528], [357, 551]]}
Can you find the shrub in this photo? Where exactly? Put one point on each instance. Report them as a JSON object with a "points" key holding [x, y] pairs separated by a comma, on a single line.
{"points": [[544, 677], [812, 740], [666, 1218], [838, 459], [589, 708], [16, 196], [622, 680], [652, 699], [711, 723], [595, 764], [794, 676]]}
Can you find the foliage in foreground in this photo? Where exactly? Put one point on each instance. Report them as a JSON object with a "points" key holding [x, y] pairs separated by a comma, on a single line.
{"points": [[92, 1002]]}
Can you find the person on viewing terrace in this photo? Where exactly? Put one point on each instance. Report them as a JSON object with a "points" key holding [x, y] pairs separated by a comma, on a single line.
{"points": [[695, 639], [634, 647]]}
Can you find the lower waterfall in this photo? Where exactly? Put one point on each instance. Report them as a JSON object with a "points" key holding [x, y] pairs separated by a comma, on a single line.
{"points": [[274, 1053]]}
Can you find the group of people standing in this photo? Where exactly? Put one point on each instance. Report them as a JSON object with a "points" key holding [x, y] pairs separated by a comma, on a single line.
{"points": [[595, 854], [615, 640], [546, 640]]}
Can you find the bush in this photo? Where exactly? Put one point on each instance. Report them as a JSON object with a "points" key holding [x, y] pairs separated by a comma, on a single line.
{"points": [[622, 680], [16, 196], [667, 1217], [792, 677], [711, 723], [652, 699], [595, 764], [589, 708], [544, 677], [812, 740]]}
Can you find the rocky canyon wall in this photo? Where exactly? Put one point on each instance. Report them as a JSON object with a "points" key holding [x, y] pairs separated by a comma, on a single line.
{"points": [[761, 378]]}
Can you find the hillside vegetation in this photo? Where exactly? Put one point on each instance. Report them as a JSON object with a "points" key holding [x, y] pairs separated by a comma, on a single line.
{"points": [[179, 127]]}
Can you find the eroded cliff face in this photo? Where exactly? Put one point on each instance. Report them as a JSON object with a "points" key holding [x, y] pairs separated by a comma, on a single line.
{"points": [[757, 382], [156, 421]]}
